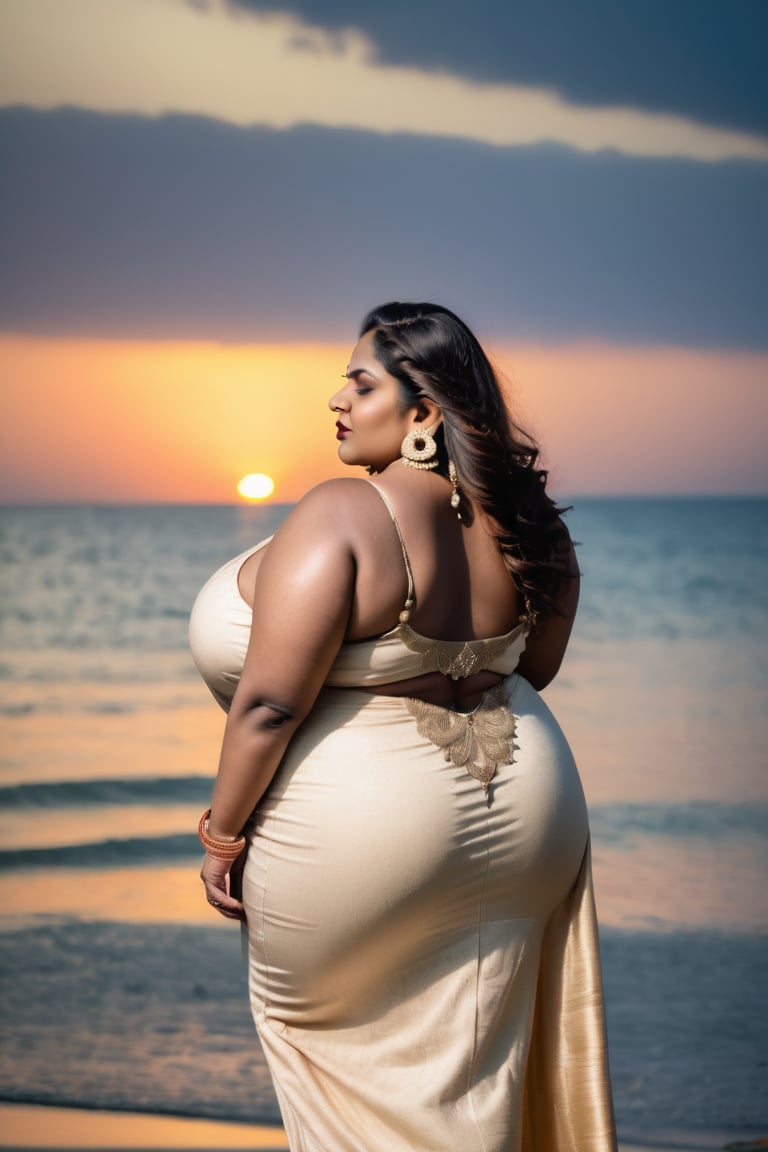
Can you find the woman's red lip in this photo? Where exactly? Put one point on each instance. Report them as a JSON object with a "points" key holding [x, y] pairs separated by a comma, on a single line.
{"points": [[341, 430]]}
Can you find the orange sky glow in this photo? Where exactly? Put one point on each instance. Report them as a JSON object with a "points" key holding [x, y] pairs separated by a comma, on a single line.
{"points": [[110, 421]]}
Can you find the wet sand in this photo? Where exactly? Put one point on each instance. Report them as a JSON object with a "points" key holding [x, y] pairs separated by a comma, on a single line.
{"points": [[30, 1127], [24, 1126], [52, 1129]]}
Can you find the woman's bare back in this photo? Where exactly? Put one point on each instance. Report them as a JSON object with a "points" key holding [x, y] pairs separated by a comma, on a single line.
{"points": [[463, 590]]}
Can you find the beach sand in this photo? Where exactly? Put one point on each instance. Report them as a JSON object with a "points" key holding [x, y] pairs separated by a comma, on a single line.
{"points": [[51, 1129], [24, 1126]]}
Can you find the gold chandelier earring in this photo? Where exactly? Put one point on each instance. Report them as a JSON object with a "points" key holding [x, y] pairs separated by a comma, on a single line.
{"points": [[419, 450], [456, 493]]}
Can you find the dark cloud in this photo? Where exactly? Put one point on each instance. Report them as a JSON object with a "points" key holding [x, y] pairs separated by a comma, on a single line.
{"points": [[190, 228], [700, 58]]}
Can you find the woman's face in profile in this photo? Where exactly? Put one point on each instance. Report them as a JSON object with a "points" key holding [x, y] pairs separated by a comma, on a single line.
{"points": [[370, 422]]}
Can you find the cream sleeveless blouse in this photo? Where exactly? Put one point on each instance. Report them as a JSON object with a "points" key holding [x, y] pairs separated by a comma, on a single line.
{"points": [[220, 627]]}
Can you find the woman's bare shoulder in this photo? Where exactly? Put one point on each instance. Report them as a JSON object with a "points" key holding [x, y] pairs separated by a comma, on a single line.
{"points": [[342, 489], [332, 505]]}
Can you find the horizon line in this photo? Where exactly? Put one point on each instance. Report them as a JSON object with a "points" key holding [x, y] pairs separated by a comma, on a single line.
{"points": [[560, 498]]}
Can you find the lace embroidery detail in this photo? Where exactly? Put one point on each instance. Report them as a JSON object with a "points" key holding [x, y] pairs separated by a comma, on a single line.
{"points": [[456, 658], [478, 741]]}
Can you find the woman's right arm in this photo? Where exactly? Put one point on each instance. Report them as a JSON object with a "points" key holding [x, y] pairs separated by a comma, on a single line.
{"points": [[302, 602], [301, 607]]}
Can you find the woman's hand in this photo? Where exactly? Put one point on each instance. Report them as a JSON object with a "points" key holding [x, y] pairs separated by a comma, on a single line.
{"points": [[218, 876]]}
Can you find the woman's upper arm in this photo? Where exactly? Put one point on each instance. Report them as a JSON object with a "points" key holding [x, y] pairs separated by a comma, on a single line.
{"points": [[301, 606], [546, 644]]}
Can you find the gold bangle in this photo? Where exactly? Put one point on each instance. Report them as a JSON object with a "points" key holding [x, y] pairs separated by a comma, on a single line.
{"points": [[219, 849]]}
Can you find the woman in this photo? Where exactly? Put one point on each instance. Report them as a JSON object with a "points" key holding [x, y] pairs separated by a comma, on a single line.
{"points": [[423, 964]]}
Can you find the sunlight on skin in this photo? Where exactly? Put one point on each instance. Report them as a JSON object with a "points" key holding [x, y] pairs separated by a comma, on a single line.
{"points": [[271, 69], [611, 419]]}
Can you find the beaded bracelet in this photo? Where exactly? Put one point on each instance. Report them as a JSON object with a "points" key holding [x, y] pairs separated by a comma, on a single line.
{"points": [[219, 849]]}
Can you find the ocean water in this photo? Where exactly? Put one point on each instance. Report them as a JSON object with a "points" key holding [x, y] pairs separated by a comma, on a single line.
{"points": [[121, 988]]}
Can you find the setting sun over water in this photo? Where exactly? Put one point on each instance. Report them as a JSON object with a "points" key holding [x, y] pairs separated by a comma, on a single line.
{"points": [[256, 486], [198, 415]]}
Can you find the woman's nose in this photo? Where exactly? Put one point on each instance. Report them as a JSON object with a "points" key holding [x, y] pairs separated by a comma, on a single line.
{"points": [[338, 402]]}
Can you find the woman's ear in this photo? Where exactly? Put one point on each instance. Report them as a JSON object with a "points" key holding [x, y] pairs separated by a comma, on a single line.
{"points": [[427, 412]]}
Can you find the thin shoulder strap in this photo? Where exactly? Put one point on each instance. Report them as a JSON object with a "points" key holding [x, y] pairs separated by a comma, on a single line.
{"points": [[410, 599]]}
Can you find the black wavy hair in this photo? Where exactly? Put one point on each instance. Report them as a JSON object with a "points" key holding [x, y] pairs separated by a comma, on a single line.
{"points": [[432, 353]]}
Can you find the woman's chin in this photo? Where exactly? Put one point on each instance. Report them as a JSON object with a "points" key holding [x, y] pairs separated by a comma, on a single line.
{"points": [[348, 456]]}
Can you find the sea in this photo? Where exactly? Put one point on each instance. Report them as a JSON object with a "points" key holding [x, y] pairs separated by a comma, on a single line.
{"points": [[122, 990]]}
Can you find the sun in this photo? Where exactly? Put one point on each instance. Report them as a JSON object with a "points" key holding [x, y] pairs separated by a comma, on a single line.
{"points": [[256, 486]]}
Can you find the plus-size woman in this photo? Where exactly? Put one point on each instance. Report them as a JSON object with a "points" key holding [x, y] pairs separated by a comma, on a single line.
{"points": [[423, 962]]}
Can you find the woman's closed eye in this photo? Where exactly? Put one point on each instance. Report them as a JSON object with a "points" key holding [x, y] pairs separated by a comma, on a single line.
{"points": [[361, 389], [358, 378]]}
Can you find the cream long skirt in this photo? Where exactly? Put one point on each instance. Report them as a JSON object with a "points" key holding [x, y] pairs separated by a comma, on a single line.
{"points": [[401, 930]]}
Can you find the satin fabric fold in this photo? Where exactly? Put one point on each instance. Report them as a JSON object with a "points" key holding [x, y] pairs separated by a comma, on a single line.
{"points": [[568, 1105]]}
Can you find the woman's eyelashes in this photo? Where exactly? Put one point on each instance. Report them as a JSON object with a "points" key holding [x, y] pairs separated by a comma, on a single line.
{"points": [[361, 388]]}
